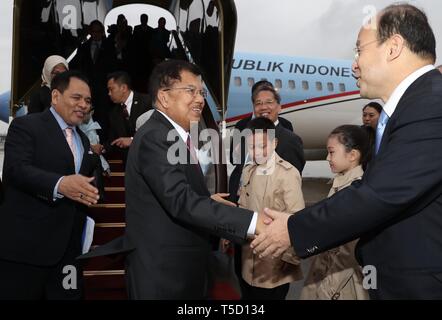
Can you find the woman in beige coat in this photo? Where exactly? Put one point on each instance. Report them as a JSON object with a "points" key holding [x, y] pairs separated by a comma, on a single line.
{"points": [[268, 182], [335, 274]]}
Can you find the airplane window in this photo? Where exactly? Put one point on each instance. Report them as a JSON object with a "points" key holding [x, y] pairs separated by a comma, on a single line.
{"points": [[238, 81], [278, 84], [319, 86], [330, 86], [292, 84], [305, 85], [342, 87], [251, 82]]}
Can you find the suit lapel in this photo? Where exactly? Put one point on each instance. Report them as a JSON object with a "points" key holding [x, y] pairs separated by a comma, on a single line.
{"points": [[192, 169], [402, 105], [86, 161], [58, 139]]}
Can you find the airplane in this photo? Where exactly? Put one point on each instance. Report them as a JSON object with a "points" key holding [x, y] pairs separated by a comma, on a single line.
{"points": [[317, 95]]}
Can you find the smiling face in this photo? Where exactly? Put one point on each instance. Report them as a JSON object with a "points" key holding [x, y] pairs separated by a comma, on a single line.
{"points": [[370, 67], [74, 103], [266, 105], [182, 102]]}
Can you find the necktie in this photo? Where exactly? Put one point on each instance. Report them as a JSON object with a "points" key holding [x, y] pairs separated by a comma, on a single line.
{"points": [[192, 152], [191, 149], [382, 123], [95, 51], [125, 112], [70, 141]]}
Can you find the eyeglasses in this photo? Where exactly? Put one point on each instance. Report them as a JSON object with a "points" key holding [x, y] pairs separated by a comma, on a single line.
{"points": [[358, 49], [192, 91], [264, 103]]}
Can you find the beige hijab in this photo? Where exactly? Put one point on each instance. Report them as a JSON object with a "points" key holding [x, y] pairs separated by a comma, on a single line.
{"points": [[49, 65]]}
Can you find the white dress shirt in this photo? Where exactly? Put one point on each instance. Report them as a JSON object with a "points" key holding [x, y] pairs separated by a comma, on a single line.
{"points": [[397, 94], [183, 135]]}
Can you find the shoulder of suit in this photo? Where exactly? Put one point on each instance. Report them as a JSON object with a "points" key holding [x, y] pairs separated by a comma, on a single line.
{"points": [[282, 163], [241, 124]]}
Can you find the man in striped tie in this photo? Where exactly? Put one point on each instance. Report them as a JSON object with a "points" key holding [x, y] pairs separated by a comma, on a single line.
{"points": [[47, 181]]}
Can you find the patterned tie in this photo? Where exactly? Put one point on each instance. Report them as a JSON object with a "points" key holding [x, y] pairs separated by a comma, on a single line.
{"points": [[70, 140], [125, 112], [382, 123]]}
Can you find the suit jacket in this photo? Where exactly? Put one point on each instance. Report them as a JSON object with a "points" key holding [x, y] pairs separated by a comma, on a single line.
{"points": [[289, 148], [34, 228], [396, 208], [169, 217], [119, 126], [40, 100]]}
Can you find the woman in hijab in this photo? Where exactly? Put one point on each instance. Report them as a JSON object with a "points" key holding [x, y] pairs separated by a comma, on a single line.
{"points": [[41, 100]]}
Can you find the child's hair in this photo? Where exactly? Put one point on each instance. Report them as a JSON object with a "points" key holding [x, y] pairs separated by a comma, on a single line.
{"points": [[262, 125], [358, 138]]}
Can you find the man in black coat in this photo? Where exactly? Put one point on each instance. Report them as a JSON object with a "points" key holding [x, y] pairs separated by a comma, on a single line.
{"points": [[266, 103], [47, 187], [96, 58], [396, 210], [169, 213], [128, 106]]}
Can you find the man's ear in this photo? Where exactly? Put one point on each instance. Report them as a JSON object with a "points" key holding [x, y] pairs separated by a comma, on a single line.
{"points": [[395, 46], [55, 96], [163, 98]]}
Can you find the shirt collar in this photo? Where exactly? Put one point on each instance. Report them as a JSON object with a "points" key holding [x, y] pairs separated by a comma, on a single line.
{"points": [[397, 94], [183, 133], [63, 125], [129, 101]]}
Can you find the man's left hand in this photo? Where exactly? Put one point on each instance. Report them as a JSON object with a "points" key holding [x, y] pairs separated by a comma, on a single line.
{"points": [[122, 142], [274, 240]]}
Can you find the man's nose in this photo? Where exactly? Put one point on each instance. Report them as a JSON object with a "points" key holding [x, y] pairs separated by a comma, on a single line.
{"points": [[355, 68]]}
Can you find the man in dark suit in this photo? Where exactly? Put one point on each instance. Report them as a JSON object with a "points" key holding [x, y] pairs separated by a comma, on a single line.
{"points": [[169, 213], [266, 103], [396, 208], [47, 167], [96, 58], [128, 106]]}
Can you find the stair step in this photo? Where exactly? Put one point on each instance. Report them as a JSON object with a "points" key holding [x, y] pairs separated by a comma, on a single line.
{"points": [[106, 232], [105, 287], [116, 179], [112, 262], [114, 195], [108, 214], [116, 165]]}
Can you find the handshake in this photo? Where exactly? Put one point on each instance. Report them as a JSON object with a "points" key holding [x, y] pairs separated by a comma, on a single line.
{"points": [[271, 233], [272, 237]]}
